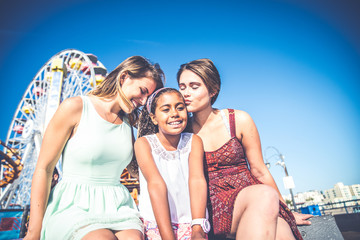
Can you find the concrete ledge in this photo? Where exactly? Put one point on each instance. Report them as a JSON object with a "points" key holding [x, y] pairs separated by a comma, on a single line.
{"points": [[321, 228], [349, 225], [348, 222]]}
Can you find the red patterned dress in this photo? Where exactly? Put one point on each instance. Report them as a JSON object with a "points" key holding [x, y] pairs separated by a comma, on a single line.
{"points": [[228, 173]]}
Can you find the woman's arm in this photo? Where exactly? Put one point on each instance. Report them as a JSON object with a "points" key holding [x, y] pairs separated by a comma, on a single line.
{"points": [[251, 141], [156, 187], [55, 137], [197, 185], [248, 134]]}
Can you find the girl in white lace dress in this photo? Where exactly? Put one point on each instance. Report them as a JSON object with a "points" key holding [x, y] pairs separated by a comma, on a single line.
{"points": [[173, 189]]}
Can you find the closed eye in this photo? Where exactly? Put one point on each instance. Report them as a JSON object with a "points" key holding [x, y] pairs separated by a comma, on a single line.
{"points": [[194, 85]]}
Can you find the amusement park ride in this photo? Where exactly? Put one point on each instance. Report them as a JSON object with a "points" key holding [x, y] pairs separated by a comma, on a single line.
{"points": [[67, 74]]}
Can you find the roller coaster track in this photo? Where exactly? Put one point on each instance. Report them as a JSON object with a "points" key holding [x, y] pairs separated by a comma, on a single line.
{"points": [[12, 162]]}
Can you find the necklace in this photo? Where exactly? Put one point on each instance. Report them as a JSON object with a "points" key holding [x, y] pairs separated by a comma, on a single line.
{"points": [[117, 115], [111, 121]]}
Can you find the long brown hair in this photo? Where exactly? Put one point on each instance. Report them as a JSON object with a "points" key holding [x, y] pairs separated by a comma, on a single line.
{"points": [[207, 71], [136, 67]]}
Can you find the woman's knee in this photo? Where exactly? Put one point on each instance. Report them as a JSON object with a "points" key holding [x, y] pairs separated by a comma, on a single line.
{"points": [[270, 193], [130, 234], [101, 234], [134, 237], [269, 200], [265, 199]]}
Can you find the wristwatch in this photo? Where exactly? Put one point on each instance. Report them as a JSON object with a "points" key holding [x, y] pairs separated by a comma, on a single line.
{"points": [[203, 222]]}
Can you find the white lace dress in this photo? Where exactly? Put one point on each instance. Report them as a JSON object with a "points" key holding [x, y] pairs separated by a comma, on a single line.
{"points": [[174, 169]]}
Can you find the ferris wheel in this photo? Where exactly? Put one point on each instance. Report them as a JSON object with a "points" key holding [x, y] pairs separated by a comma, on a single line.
{"points": [[68, 73]]}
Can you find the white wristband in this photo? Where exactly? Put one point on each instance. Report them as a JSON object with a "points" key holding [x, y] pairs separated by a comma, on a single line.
{"points": [[203, 222]]}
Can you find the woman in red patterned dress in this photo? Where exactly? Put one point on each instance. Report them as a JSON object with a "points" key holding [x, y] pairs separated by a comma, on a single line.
{"points": [[245, 202]]}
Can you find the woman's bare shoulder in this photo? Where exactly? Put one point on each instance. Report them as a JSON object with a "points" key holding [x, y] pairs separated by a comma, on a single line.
{"points": [[73, 104], [240, 115], [243, 121], [70, 110]]}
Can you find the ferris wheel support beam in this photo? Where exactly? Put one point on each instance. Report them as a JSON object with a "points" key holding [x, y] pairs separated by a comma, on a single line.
{"points": [[37, 141], [4, 194], [58, 69], [11, 195], [27, 152]]}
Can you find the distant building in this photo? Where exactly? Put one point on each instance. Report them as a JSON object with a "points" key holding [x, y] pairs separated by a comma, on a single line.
{"points": [[306, 198], [338, 200], [340, 192], [355, 190]]}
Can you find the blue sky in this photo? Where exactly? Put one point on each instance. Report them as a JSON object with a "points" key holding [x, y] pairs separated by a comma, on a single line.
{"points": [[294, 66]]}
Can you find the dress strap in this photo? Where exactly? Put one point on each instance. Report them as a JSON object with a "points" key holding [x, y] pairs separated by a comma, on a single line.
{"points": [[85, 108], [226, 121], [232, 122]]}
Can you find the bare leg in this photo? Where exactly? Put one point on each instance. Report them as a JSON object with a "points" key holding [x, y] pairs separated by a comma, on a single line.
{"points": [[100, 234], [255, 213], [283, 230], [106, 234], [130, 234]]}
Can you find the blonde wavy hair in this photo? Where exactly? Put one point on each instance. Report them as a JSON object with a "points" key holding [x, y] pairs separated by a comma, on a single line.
{"points": [[136, 67]]}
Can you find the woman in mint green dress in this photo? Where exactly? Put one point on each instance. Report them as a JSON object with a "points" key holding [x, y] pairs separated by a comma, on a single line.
{"points": [[94, 135]]}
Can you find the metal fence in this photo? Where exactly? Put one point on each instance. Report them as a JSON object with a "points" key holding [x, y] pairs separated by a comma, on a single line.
{"points": [[341, 207]]}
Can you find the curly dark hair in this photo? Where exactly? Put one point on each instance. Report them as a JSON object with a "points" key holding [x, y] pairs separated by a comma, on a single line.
{"points": [[145, 124]]}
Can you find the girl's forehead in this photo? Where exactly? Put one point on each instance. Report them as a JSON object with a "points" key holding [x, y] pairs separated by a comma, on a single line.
{"points": [[170, 97]]}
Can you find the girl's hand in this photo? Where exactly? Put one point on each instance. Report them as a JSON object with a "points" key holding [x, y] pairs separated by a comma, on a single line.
{"points": [[301, 219], [198, 237], [197, 233]]}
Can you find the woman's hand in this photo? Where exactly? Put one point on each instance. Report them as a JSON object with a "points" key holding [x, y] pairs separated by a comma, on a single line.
{"points": [[301, 219], [31, 236]]}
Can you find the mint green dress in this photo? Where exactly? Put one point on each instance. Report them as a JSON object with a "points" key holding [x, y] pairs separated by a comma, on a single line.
{"points": [[90, 195]]}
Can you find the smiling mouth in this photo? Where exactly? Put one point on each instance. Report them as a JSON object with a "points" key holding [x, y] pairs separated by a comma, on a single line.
{"points": [[187, 102], [176, 123]]}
